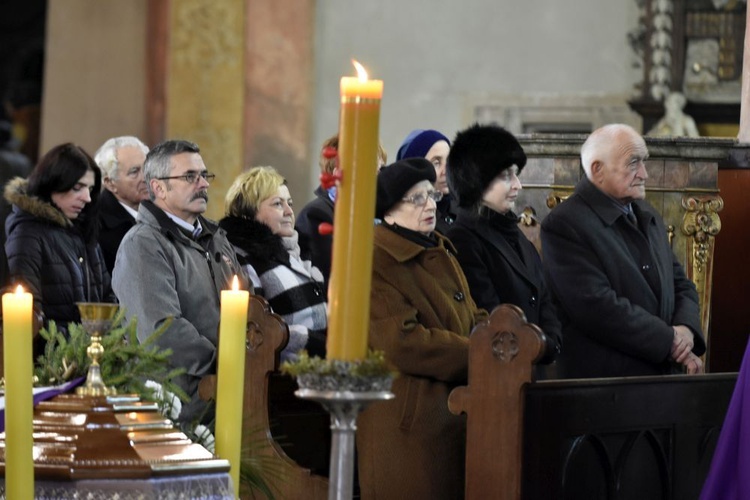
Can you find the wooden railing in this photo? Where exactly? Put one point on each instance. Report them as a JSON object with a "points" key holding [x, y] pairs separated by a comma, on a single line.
{"points": [[624, 438]]}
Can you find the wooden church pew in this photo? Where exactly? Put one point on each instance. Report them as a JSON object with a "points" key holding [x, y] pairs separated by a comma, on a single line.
{"points": [[502, 352], [624, 438], [267, 334]]}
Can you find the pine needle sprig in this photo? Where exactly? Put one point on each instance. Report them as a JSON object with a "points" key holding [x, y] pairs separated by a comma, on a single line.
{"points": [[126, 363]]}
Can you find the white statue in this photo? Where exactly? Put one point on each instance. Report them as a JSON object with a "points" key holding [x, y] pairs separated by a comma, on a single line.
{"points": [[675, 122]]}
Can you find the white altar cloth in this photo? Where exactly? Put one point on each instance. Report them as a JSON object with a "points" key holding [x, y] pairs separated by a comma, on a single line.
{"points": [[197, 486]]}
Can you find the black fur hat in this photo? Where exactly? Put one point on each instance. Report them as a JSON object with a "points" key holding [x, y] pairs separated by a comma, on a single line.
{"points": [[477, 156], [395, 180]]}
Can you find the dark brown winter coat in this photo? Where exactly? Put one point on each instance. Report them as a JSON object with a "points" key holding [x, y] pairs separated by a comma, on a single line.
{"points": [[421, 317]]}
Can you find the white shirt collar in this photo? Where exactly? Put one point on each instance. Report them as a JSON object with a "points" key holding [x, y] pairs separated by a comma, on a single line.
{"points": [[185, 224], [133, 213]]}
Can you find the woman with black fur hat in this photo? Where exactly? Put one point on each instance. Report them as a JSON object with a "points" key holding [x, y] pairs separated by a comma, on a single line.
{"points": [[501, 265], [421, 315]]}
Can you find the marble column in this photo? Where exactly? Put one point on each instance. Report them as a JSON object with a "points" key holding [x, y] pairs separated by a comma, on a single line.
{"points": [[234, 76], [205, 91]]}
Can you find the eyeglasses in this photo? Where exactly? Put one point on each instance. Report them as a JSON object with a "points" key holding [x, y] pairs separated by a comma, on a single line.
{"points": [[191, 177], [420, 199]]}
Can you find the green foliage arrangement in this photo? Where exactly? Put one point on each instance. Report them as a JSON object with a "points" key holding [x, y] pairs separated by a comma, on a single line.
{"points": [[372, 373], [126, 363], [142, 368]]}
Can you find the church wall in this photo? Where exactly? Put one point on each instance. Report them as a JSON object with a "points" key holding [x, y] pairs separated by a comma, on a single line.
{"points": [[438, 61], [94, 72], [438, 57]]}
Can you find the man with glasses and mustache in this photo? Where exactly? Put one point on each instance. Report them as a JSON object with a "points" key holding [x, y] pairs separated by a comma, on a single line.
{"points": [[626, 306], [173, 264]]}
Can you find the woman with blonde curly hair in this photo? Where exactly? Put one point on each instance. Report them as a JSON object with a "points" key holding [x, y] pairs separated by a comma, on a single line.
{"points": [[259, 223]]}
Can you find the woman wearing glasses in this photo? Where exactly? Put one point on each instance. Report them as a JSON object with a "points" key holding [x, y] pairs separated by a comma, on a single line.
{"points": [[421, 316], [434, 146], [501, 265], [52, 244], [259, 223]]}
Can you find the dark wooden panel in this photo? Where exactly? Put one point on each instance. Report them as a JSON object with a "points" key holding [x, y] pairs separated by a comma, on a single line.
{"points": [[301, 427], [627, 438], [730, 323]]}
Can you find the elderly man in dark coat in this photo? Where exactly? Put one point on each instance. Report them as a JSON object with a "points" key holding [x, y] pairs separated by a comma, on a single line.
{"points": [[121, 160], [627, 307]]}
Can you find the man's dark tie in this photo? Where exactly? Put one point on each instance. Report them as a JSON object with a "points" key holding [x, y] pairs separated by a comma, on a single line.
{"points": [[632, 219]]}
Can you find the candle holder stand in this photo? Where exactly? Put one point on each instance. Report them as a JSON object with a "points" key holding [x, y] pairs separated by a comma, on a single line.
{"points": [[96, 318], [344, 389], [344, 407]]}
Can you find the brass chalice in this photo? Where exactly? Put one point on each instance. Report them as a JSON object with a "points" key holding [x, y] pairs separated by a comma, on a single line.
{"points": [[96, 318]]}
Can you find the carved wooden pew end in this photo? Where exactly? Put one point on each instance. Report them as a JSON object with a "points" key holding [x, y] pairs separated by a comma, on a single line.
{"points": [[505, 347], [266, 337]]}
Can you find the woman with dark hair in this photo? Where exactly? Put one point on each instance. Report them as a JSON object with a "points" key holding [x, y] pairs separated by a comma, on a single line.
{"points": [[500, 264], [51, 234]]}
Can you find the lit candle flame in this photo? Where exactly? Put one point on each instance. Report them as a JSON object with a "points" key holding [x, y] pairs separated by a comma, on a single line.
{"points": [[361, 71], [19, 290], [235, 283]]}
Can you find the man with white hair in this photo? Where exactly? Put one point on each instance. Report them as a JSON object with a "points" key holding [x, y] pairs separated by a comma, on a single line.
{"points": [[124, 188], [626, 305]]}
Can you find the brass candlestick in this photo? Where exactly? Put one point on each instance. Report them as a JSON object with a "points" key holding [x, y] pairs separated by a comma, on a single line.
{"points": [[96, 318]]}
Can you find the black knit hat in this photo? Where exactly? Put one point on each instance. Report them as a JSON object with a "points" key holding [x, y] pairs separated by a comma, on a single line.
{"points": [[395, 180], [477, 156]]}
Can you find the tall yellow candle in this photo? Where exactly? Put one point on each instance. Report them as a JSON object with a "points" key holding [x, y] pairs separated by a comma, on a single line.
{"points": [[19, 403], [354, 213], [230, 382]]}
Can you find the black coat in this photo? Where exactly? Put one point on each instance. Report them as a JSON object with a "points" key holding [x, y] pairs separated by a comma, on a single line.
{"points": [[317, 246], [12, 165], [446, 215], [114, 223], [620, 289], [498, 275], [293, 290], [48, 254]]}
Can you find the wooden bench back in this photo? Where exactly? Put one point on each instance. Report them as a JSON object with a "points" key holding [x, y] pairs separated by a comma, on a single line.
{"points": [[624, 438], [502, 352], [267, 335]]}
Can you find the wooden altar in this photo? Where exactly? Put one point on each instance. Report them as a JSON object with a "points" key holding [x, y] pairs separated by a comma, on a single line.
{"points": [[117, 446]]}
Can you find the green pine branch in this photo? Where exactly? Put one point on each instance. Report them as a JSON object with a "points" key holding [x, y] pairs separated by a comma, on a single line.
{"points": [[125, 365]]}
